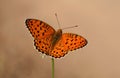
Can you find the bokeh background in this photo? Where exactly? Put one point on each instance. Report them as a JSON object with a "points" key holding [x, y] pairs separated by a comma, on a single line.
{"points": [[99, 23]]}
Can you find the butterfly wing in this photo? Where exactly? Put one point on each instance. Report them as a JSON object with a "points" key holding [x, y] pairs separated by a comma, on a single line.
{"points": [[43, 45], [39, 29], [67, 42], [42, 33]]}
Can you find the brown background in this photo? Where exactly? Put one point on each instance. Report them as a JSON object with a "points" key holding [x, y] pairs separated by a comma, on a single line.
{"points": [[99, 22]]}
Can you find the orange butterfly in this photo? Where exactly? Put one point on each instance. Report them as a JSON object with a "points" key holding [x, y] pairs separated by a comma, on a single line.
{"points": [[51, 42]]}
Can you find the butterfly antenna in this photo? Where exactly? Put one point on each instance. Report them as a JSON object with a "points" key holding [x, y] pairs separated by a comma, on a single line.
{"points": [[70, 27], [57, 20]]}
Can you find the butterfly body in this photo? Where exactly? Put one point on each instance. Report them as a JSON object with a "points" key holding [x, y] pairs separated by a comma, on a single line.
{"points": [[56, 37], [51, 42]]}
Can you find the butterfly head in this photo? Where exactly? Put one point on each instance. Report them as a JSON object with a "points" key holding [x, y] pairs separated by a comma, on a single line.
{"points": [[59, 31]]}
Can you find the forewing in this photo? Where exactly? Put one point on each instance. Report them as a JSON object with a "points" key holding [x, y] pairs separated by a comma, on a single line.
{"points": [[39, 29]]}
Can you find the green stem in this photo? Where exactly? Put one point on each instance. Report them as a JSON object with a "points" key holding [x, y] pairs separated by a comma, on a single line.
{"points": [[52, 67]]}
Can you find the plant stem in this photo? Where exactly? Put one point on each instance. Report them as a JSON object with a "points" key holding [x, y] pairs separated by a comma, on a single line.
{"points": [[52, 67]]}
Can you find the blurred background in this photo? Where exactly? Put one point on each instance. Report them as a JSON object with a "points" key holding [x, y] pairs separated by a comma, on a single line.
{"points": [[99, 23]]}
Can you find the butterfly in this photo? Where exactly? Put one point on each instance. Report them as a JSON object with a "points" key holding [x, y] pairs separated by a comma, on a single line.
{"points": [[51, 42]]}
